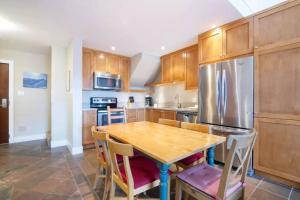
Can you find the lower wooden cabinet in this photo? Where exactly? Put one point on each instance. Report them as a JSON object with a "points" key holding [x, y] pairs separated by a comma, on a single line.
{"points": [[153, 115], [277, 148], [135, 115], [89, 119]]}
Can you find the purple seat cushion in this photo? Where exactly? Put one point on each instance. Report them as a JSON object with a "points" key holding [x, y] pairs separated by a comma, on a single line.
{"points": [[191, 159], [144, 171], [205, 179]]}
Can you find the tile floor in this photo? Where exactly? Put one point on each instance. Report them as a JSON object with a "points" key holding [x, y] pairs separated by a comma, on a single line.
{"points": [[32, 171]]}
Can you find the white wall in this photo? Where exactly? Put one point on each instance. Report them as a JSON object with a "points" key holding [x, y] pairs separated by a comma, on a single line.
{"points": [[59, 98], [31, 110], [166, 95], [74, 63]]}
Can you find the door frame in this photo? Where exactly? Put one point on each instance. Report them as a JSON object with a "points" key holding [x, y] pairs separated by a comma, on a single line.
{"points": [[11, 98]]}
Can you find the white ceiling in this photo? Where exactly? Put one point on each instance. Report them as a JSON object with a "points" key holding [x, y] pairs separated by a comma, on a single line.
{"points": [[132, 26]]}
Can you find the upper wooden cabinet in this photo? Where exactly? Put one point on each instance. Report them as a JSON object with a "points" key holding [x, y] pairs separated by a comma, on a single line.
{"points": [[166, 69], [210, 46], [278, 26], [87, 69], [98, 61], [238, 38], [191, 76], [230, 40], [178, 64]]}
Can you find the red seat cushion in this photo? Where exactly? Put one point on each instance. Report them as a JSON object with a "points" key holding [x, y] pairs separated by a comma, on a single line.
{"points": [[191, 159], [206, 179], [144, 171]]}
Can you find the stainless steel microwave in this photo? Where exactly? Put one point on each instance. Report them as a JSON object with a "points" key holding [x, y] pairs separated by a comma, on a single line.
{"points": [[107, 81]]}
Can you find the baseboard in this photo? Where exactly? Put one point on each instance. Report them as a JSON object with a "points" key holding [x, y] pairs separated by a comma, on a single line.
{"points": [[58, 143], [17, 139], [75, 150]]}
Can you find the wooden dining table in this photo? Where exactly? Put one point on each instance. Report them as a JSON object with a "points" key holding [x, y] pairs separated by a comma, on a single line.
{"points": [[164, 144]]}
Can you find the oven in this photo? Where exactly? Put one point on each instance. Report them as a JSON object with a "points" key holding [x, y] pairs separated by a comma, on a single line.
{"points": [[107, 81], [102, 119]]}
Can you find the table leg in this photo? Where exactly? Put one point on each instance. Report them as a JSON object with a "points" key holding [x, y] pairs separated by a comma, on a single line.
{"points": [[164, 178], [211, 156]]}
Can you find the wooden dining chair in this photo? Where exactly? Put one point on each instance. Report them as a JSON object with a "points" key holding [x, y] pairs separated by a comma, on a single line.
{"points": [[169, 122], [206, 182], [102, 155], [111, 116], [134, 176], [196, 158]]}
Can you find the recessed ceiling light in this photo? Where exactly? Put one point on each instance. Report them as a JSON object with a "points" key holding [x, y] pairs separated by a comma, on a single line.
{"points": [[6, 25], [162, 47], [113, 48], [213, 26]]}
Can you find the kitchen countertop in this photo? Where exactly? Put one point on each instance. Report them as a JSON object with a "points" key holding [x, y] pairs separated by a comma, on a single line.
{"points": [[191, 109]]}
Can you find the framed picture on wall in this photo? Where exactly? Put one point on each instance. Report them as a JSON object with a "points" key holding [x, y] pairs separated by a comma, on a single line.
{"points": [[34, 80]]}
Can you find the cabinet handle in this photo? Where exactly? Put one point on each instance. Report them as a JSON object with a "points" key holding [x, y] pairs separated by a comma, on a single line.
{"points": [[255, 47]]}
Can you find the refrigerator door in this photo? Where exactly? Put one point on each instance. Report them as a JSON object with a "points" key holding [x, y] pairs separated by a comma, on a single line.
{"points": [[237, 93], [209, 93]]}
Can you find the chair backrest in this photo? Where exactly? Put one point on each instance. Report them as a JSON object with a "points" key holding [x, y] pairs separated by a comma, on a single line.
{"points": [[169, 122], [125, 150], [195, 127], [111, 111], [241, 148], [100, 140]]}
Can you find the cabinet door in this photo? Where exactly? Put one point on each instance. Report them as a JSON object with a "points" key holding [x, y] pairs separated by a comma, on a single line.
{"points": [[140, 113], [124, 70], [89, 119], [191, 80], [277, 81], [278, 26], [168, 115], [178, 66], [131, 115], [166, 69], [277, 148], [156, 114], [87, 69], [100, 62], [238, 38], [113, 64], [148, 114], [210, 46]]}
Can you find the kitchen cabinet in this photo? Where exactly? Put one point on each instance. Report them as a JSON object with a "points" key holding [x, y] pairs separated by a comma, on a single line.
{"points": [[237, 38], [191, 77], [153, 115], [89, 119], [277, 148], [148, 114], [166, 114], [210, 46], [87, 69], [98, 61], [135, 115], [277, 80], [278, 26], [124, 71], [178, 66], [166, 69], [231, 40], [156, 114]]}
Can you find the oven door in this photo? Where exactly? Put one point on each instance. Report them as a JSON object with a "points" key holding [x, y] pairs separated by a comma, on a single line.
{"points": [[104, 81], [103, 119]]}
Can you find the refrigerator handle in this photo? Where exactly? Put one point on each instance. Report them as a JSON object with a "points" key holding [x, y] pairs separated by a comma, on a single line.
{"points": [[224, 91], [219, 91]]}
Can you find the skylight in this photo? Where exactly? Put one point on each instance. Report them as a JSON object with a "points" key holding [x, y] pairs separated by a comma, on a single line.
{"points": [[248, 7]]}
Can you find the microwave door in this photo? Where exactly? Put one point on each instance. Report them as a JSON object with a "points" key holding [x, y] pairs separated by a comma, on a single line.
{"points": [[209, 93], [105, 83]]}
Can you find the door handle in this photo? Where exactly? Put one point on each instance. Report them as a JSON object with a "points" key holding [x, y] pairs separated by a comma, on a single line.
{"points": [[4, 103]]}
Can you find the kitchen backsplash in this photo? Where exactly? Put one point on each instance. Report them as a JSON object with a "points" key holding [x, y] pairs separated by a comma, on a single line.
{"points": [[139, 98], [170, 95]]}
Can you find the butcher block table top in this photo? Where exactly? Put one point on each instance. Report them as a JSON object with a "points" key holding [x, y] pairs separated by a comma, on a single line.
{"points": [[163, 143]]}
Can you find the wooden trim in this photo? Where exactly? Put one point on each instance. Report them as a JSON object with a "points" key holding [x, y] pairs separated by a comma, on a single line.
{"points": [[180, 50], [105, 52], [137, 90]]}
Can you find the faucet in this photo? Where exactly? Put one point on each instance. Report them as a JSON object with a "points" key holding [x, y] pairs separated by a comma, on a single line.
{"points": [[176, 97]]}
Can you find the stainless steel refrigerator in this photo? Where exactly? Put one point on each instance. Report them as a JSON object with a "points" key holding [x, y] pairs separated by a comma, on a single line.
{"points": [[226, 93], [226, 100]]}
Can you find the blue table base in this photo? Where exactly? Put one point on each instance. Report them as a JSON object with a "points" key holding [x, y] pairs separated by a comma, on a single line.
{"points": [[164, 179], [211, 156]]}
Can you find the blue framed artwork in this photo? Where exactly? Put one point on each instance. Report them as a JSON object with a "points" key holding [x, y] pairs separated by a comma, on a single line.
{"points": [[34, 80]]}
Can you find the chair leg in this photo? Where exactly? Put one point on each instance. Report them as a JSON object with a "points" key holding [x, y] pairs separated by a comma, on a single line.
{"points": [[99, 172], [112, 190], [186, 196], [178, 194], [106, 185]]}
